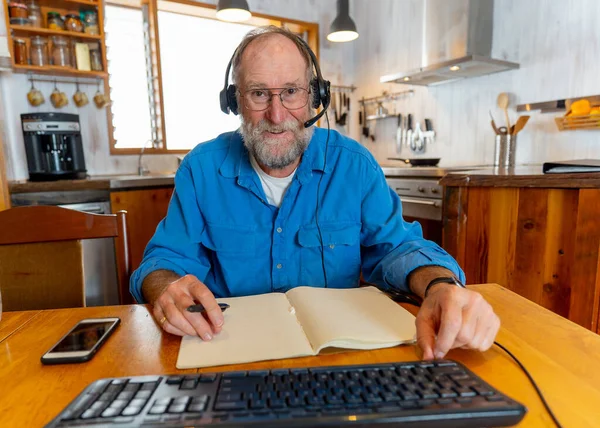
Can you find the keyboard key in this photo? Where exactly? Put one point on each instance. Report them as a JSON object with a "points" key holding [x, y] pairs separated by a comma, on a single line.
{"points": [[98, 387], [196, 407], [200, 399], [465, 392], [230, 405], [208, 378], [174, 380], [143, 395], [182, 400], [176, 408], [157, 410], [188, 384], [91, 413], [163, 401], [118, 404], [231, 375], [131, 410], [125, 395], [276, 403], [229, 397], [482, 390], [110, 412], [148, 386], [132, 387]]}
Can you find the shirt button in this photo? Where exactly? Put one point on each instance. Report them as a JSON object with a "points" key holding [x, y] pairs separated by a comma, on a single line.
{"points": [[279, 230], [332, 246], [279, 266]]}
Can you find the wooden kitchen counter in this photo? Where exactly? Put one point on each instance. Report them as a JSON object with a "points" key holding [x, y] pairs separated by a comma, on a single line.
{"points": [[536, 234], [98, 182], [525, 176]]}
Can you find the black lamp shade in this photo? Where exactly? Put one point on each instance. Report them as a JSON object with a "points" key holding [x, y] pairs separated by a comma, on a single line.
{"points": [[233, 10], [343, 28]]}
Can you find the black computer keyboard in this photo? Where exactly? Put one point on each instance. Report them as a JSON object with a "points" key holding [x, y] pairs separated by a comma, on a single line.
{"points": [[424, 394]]}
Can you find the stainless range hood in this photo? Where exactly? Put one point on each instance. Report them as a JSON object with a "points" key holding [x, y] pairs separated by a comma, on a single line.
{"points": [[457, 44]]}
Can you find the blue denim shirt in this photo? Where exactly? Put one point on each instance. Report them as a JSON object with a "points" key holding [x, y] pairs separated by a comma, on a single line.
{"points": [[220, 228]]}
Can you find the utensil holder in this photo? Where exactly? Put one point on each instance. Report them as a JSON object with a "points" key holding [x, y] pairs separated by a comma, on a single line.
{"points": [[504, 150]]}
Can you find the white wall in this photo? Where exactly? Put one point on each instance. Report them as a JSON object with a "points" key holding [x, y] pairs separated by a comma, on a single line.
{"points": [[556, 42], [14, 87]]}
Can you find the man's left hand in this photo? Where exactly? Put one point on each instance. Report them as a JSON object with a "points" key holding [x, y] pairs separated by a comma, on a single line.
{"points": [[451, 317], [460, 317]]}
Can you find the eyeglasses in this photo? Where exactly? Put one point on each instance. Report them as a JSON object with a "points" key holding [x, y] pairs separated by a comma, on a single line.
{"points": [[292, 98]]}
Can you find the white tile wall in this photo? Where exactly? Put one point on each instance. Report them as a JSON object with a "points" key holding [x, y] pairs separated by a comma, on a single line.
{"points": [[557, 44]]}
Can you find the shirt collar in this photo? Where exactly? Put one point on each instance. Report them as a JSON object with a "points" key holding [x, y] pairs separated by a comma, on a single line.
{"points": [[237, 161]]}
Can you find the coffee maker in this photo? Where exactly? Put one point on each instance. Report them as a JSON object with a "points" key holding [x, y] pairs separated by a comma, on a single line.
{"points": [[53, 146]]}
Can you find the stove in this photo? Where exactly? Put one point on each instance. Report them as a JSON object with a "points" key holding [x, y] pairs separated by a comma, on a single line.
{"points": [[421, 194]]}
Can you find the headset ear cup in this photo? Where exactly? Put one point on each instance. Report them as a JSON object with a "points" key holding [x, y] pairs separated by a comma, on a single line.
{"points": [[231, 99], [316, 93], [223, 101]]}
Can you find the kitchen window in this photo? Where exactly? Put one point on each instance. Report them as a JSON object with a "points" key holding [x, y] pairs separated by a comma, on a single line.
{"points": [[166, 64]]}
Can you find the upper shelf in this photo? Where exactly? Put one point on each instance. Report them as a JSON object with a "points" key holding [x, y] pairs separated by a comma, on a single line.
{"points": [[59, 71], [68, 4], [24, 30]]}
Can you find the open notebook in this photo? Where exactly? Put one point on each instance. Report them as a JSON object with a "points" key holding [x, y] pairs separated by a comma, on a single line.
{"points": [[299, 323]]}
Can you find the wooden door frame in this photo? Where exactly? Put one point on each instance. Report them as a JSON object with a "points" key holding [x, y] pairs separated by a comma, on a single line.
{"points": [[4, 196]]}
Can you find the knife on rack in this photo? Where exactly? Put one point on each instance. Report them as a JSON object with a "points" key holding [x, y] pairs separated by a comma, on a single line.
{"points": [[399, 135]]}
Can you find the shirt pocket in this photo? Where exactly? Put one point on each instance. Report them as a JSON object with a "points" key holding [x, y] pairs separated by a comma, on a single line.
{"points": [[229, 239], [341, 253]]}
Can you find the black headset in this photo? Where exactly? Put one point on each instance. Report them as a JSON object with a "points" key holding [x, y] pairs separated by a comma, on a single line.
{"points": [[320, 89]]}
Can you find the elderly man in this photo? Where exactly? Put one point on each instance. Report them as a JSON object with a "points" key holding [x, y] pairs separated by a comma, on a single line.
{"points": [[279, 204]]}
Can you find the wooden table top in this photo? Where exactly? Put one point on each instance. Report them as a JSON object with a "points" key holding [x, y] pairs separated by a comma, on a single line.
{"points": [[560, 355]]}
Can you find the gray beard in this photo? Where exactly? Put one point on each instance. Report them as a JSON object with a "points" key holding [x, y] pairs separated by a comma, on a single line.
{"points": [[259, 146]]}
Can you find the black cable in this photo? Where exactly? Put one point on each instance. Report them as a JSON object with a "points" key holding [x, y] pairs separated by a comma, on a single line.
{"points": [[317, 206], [533, 383], [400, 296]]}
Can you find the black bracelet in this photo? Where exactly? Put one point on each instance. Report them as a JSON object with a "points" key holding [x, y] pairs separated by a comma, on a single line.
{"points": [[445, 280]]}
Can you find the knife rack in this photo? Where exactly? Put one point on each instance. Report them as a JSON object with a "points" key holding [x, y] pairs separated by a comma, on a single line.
{"points": [[386, 97]]}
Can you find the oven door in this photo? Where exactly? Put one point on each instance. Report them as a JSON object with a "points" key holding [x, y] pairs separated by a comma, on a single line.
{"points": [[421, 208]]}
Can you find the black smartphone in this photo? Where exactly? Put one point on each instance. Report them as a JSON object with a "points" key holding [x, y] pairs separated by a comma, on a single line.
{"points": [[82, 341]]}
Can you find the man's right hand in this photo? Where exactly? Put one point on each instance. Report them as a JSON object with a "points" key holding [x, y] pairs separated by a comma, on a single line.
{"points": [[171, 304]]}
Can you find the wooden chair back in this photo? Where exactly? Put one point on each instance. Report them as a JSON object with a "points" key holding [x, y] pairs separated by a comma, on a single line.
{"points": [[41, 258]]}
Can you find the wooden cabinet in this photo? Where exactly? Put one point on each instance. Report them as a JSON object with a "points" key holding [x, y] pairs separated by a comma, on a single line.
{"points": [[145, 209], [542, 243]]}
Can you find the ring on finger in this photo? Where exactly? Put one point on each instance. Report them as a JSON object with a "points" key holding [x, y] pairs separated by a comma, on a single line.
{"points": [[162, 321]]}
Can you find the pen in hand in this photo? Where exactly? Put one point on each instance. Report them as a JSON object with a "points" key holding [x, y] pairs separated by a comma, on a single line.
{"points": [[201, 309]]}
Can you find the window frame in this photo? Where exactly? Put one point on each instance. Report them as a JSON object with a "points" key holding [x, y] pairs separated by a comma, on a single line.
{"points": [[190, 8]]}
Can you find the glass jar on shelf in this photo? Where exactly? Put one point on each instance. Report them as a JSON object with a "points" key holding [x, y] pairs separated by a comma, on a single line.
{"points": [[17, 10], [35, 13], [90, 22], [24, 22], [55, 21], [95, 57], [20, 51], [61, 52], [73, 22], [38, 51]]}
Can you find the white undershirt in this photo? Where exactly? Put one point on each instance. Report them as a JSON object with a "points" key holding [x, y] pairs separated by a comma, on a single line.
{"points": [[273, 187]]}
